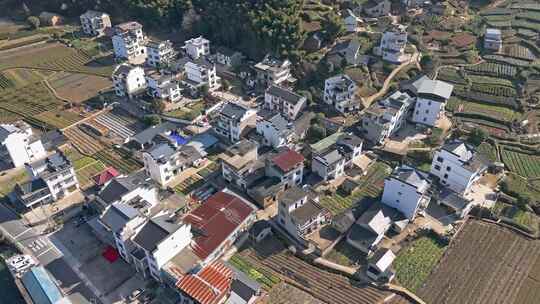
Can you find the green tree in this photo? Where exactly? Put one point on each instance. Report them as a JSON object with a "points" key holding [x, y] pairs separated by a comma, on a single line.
{"points": [[158, 106], [478, 136], [34, 22], [152, 120], [225, 84]]}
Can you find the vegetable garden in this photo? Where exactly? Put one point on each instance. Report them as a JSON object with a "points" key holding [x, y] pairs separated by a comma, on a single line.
{"points": [[526, 165]]}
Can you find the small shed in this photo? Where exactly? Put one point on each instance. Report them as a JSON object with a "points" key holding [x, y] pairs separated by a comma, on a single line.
{"points": [[379, 265], [50, 19]]}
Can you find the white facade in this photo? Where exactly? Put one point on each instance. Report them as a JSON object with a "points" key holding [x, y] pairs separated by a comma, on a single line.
{"points": [[457, 167], [57, 173], [272, 71], [95, 23], [284, 101], [329, 165], [18, 145], [406, 190], [427, 111], [197, 47], [339, 91], [159, 53], [393, 44], [202, 73], [163, 87], [164, 162], [276, 131], [493, 39], [129, 42], [128, 80], [233, 119]]}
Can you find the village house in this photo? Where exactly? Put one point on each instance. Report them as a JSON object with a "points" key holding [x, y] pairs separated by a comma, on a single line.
{"points": [[412, 3], [165, 161], [287, 165], [276, 130], [376, 9], [407, 190], [392, 47], [53, 178], [238, 162], [273, 71], [458, 165], [284, 101], [431, 97], [95, 23], [211, 285], [129, 42], [264, 190], [333, 154], [339, 91], [300, 214], [157, 241], [369, 229], [228, 57], [244, 290], [379, 265], [19, 145], [128, 80], [233, 120], [493, 39], [196, 48], [200, 73], [126, 203], [163, 87], [384, 118], [351, 21], [159, 54]]}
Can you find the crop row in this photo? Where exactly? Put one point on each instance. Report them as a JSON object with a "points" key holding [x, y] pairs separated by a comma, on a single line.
{"points": [[508, 60], [5, 82], [520, 52], [526, 6], [451, 75], [495, 90], [509, 102], [523, 164], [117, 160], [493, 69], [522, 23]]}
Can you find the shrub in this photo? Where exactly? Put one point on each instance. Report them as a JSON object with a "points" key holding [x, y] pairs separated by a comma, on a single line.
{"points": [[33, 21]]}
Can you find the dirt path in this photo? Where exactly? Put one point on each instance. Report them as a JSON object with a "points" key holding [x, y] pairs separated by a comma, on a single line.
{"points": [[370, 99]]}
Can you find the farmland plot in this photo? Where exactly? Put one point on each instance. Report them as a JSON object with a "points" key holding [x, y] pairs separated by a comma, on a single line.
{"points": [[525, 165], [78, 87], [118, 159], [486, 263], [493, 69]]}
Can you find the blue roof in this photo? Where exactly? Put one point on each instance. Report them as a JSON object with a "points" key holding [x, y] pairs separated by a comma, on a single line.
{"points": [[180, 140], [41, 287], [205, 140]]}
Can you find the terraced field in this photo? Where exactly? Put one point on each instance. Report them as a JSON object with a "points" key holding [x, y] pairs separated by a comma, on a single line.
{"points": [[59, 119], [84, 142], [485, 264], [526, 165], [124, 163], [323, 285]]}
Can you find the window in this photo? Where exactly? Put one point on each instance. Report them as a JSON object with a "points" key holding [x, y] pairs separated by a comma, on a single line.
{"points": [[446, 176], [448, 168], [429, 103], [440, 159], [399, 193], [427, 111], [437, 167]]}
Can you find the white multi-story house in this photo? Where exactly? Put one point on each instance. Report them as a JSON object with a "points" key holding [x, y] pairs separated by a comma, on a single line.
{"points": [[339, 91], [384, 118], [165, 161], [300, 214], [276, 130], [162, 86], [288, 166], [157, 242], [272, 71], [458, 165], [57, 172], [493, 39], [329, 164], [128, 80], [393, 42], [19, 145], [431, 97], [95, 23], [159, 54], [233, 119], [407, 190], [129, 42], [239, 161], [197, 47], [285, 101], [127, 202], [351, 21], [200, 73]]}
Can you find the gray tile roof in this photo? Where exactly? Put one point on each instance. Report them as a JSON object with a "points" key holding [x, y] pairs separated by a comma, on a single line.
{"points": [[285, 94], [412, 177], [121, 185], [424, 85], [292, 195], [162, 152], [233, 110], [150, 133], [306, 212], [150, 235], [114, 219], [332, 156]]}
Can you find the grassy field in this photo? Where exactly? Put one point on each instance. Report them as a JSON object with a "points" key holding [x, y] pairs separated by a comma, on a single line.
{"points": [[520, 216], [7, 185], [345, 254], [189, 112], [414, 263], [489, 151]]}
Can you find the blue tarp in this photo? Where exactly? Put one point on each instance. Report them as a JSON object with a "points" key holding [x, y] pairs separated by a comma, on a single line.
{"points": [[41, 287], [180, 140]]}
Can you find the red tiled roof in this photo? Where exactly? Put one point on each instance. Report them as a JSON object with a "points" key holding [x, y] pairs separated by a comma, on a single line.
{"points": [[288, 160], [105, 176], [210, 285], [216, 219]]}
